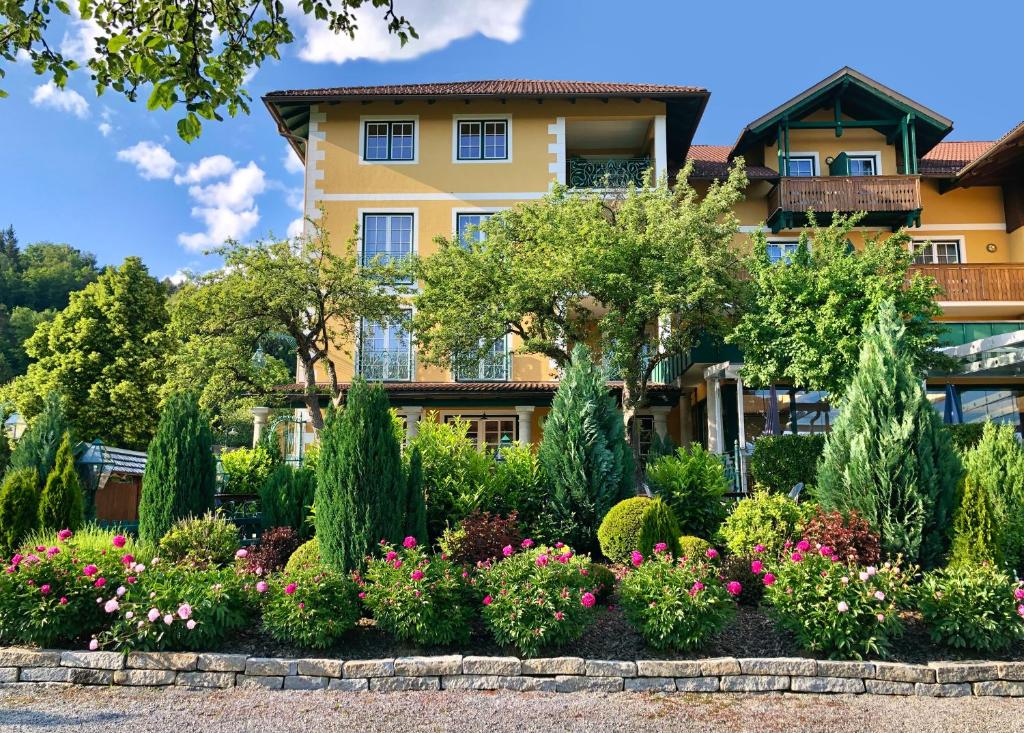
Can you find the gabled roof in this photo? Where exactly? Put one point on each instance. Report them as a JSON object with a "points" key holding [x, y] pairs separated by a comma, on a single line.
{"points": [[862, 97], [1000, 161], [948, 158]]}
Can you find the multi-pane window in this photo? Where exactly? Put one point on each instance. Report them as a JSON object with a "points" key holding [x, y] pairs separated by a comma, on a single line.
{"points": [[385, 351], [468, 225], [779, 251], [387, 238], [385, 140], [937, 252], [863, 165], [483, 140], [487, 432], [493, 367], [801, 165]]}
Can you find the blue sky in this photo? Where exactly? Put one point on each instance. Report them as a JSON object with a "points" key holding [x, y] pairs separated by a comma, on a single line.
{"points": [[107, 176]]}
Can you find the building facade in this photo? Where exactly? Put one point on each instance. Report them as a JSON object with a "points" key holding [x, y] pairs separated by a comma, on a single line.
{"points": [[400, 165]]}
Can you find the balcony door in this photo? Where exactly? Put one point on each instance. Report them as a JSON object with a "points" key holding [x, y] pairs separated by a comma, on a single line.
{"points": [[385, 352]]}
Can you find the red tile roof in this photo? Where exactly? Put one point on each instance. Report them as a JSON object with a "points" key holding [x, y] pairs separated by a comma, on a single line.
{"points": [[712, 161], [947, 158], [496, 88]]}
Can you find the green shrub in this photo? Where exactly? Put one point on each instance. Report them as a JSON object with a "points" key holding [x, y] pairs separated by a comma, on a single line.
{"points": [[888, 457], [415, 597], [304, 558], [246, 469], [637, 524], [848, 536], [747, 572], [201, 541], [19, 507], [516, 484], [312, 608], [602, 581], [762, 519], [416, 500], [61, 505], [286, 497], [583, 453], [481, 537], [693, 547], [360, 483], [181, 472], [676, 605], [537, 599], [37, 448], [965, 436], [692, 482], [835, 609], [972, 607], [780, 462]]}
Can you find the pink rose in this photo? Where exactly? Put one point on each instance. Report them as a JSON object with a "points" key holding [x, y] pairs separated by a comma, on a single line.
{"points": [[696, 588], [390, 556], [94, 645], [120, 541], [168, 619], [397, 563], [825, 551], [362, 594], [128, 559], [768, 579], [63, 600], [588, 600], [409, 542], [100, 582], [796, 557], [734, 588], [842, 607], [1019, 594], [191, 624], [184, 611], [111, 605]]}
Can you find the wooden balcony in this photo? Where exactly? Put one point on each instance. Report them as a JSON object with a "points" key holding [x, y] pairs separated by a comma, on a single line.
{"points": [[977, 282], [887, 200]]}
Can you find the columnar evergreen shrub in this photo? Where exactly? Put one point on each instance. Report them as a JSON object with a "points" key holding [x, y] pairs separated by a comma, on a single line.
{"points": [[637, 524], [37, 448], [181, 471], [583, 453], [780, 462], [965, 435], [361, 487], [692, 482], [286, 497], [888, 456], [987, 524], [416, 504], [19, 507], [61, 505]]}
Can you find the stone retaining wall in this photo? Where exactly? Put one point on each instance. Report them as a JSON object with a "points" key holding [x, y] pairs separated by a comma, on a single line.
{"points": [[554, 674]]}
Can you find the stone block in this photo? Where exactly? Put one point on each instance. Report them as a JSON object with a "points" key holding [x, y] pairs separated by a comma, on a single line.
{"points": [[305, 682], [349, 685], [17, 657], [838, 685], [144, 677], [369, 668], [667, 668], [649, 684], [950, 689], [888, 687], [1007, 670], [965, 671], [404, 684], [829, 668], [320, 667], [506, 666], [93, 660], [999, 688], [45, 674], [555, 666], [610, 668], [269, 666], [754, 683], [221, 662], [896, 672], [8, 675], [265, 682], [579, 683], [718, 666], [779, 666], [177, 661], [697, 684], [428, 666], [205, 679]]}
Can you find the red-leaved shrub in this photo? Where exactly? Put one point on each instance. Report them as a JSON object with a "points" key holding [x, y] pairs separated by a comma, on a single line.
{"points": [[849, 536], [483, 536], [276, 545]]}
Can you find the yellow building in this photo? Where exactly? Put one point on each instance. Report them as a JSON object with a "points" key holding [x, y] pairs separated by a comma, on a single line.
{"points": [[399, 165]]}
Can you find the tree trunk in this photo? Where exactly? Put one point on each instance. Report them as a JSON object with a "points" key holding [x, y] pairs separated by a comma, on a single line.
{"points": [[311, 397], [628, 413]]}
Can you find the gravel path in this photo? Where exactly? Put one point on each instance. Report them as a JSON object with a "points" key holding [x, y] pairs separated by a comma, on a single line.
{"points": [[89, 710]]}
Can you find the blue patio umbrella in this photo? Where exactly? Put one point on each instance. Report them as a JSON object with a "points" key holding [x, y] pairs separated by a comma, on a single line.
{"points": [[953, 414], [772, 425]]}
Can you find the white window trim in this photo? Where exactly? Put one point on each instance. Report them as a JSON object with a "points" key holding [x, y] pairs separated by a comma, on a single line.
{"points": [[808, 154], [787, 240], [447, 417], [958, 238], [415, 119], [456, 210], [414, 211], [506, 118], [414, 362], [876, 154]]}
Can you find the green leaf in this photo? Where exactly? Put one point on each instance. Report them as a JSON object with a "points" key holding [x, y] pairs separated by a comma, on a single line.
{"points": [[118, 42]]}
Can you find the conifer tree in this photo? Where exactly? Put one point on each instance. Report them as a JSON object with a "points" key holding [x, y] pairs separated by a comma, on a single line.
{"points": [[61, 505], [888, 456], [583, 453], [360, 490], [19, 507], [37, 448], [286, 497], [416, 505], [181, 472]]}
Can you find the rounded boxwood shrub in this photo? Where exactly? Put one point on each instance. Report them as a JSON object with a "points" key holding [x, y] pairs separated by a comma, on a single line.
{"points": [[693, 547], [765, 519], [305, 557], [637, 524], [313, 607], [201, 541], [972, 607], [602, 580]]}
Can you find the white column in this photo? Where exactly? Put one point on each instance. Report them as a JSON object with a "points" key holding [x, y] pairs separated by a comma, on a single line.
{"points": [[524, 416], [413, 415], [741, 421], [557, 148], [716, 434], [661, 420], [260, 415], [660, 146], [685, 420]]}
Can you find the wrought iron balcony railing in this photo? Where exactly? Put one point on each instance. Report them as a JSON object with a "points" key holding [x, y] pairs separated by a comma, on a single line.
{"points": [[386, 366], [608, 173], [494, 368]]}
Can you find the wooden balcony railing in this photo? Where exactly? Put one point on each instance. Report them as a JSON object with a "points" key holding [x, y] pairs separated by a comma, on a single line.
{"points": [[990, 282], [826, 194]]}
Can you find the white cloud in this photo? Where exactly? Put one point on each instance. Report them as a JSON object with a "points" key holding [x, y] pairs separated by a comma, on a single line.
{"points": [[291, 161], [79, 40], [179, 276], [212, 166], [22, 56], [295, 228], [65, 100], [227, 208], [105, 128], [438, 23], [150, 159]]}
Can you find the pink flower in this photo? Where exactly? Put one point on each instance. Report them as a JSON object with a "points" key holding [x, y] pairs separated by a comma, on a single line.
{"points": [[880, 617], [507, 550], [153, 615], [184, 611], [636, 558], [712, 553], [262, 587], [416, 574], [871, 570], [191, 624], [844, 580], [559, 545], [541, 560], [290, 589], [1020, 610], [242, 553], [526, 544], [803, 545], [796, 557], [64, 535], [397, 563], [842, 607], [16, 559], [100, 582], [734, 588], [409, 542], [660, 547], [879, 595], [787, 544], [825, 551], [758, 548], [768, 579], [130, 580], [487, 600], [588, 600], [696, 588], [863, 576], [168, 619], [756, 566], [90, 570], [129, 615], [53, 551], [559, 615], [63, 600], [94, 645], [362, 594], [121, 590], [1019, 594], [390, 556], [120, 541], [45, 589], [111, 605]]}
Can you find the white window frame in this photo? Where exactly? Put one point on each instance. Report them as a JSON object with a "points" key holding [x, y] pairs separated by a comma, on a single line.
{"points": [[808, 154], [458, 211], [481, 416], [410, 312], [414, 119], [506, 341], [876, 154], [783, 241], [958, 239], [382, 211], [506, 118]]}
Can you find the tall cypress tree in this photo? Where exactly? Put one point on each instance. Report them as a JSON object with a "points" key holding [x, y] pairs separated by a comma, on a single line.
{"points": [[61, 505], [37, 448], [583, 453], [416, 505], [19, 507], [181, 472], [888, 456], [360, 491]]}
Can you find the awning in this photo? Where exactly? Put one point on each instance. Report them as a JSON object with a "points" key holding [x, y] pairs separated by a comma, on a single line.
{"points": [[993, 356]]}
